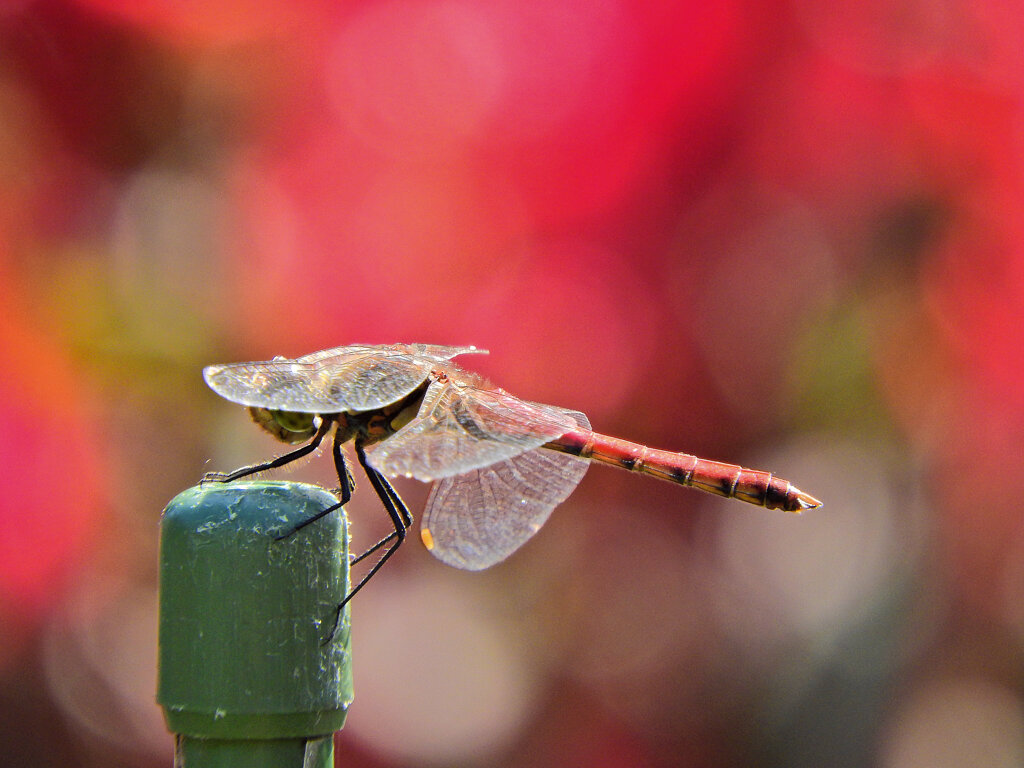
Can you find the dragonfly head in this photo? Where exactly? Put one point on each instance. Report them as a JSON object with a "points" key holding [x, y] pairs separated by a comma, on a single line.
{"points": [[287, 426]]}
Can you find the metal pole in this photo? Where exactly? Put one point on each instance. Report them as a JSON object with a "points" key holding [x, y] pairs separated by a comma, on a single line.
{"points": [[247, 674]]}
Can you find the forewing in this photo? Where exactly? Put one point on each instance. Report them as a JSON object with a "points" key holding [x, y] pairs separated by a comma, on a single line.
{"points": [[352, 378], [286, 385], [434, 351], [477, 519], [461, 427]]}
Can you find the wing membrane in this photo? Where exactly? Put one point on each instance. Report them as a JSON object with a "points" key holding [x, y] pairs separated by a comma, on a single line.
{"points": [[477, 519], [461, 427], [354, 378]]}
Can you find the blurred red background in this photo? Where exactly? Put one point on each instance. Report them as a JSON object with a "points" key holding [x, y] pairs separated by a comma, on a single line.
{"points": [[784, 234]]}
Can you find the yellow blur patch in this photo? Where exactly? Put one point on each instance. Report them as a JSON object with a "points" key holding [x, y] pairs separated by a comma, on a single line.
{"points": [[427, 537]]}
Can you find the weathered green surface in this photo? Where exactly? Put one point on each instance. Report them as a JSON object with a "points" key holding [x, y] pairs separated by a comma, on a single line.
{"points": [[243, 620], [262, 753]]}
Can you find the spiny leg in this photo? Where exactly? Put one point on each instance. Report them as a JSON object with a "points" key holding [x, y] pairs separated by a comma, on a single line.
{"points": [[400, 518], [280, 461], [373, 549], [396, 509], [344, 490], [406, 520]]}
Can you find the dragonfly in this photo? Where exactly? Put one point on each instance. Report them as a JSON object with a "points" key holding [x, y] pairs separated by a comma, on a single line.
{"points": [[499, 464]]}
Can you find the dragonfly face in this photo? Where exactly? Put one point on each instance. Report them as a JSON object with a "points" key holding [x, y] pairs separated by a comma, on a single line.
{"points": [[287, 426], [499, 464]]}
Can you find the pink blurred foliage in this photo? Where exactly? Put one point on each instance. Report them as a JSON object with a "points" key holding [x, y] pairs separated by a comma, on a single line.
{"points": [[973, 292], [52, 454], [581, 131], [924, 115], [196, 25], [51, 449], [422, 172], [639, 207], [442, 165]]}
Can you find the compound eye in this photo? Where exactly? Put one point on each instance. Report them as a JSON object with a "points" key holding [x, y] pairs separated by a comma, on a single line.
{"points": [[294, 421], [286, 426]]}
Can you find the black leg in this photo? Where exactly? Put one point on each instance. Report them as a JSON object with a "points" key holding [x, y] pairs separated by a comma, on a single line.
{"points": [[346, 483], [396, 500], [400, 518], [402, 509], [373, 549], [344, 491], [280, 461]]}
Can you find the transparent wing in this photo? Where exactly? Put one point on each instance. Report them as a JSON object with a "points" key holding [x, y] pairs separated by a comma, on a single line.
{"points": [[475, 520], [353, 378], [461, 427]]}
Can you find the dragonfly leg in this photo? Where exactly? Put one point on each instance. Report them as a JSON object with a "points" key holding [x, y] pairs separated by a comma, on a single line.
{"points": [[403, 510], [373, 549], [344, 491], [400, 518], [396, 500], [280, 461]]}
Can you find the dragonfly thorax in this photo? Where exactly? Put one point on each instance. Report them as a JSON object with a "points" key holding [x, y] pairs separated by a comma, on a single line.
{"points": [[379, 424]]}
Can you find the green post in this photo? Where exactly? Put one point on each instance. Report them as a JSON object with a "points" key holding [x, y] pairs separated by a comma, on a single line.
{"points": [[246, 677]]}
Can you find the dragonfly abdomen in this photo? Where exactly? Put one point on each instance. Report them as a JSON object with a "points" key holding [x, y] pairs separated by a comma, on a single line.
{"points": [[753, 486]]}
